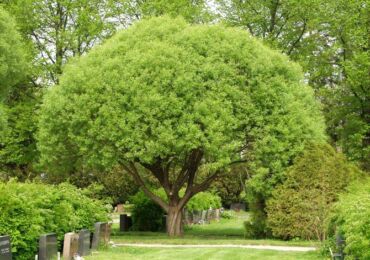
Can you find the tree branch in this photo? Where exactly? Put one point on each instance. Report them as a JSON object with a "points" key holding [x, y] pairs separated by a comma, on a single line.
{"points": [[134, 173]]}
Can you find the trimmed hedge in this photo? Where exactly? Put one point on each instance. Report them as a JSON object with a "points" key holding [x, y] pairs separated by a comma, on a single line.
{"points": [[28, 210]]}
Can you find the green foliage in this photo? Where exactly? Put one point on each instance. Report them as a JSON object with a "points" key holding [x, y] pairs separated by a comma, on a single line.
{"points": [[18, 152], [300, 206], [28, 210], [329, 38], [204, 201], [13, 60], [351, 217], [230, 185], [256, 226], [61, 29], [228, 214], [112, 105], [146, 215]]}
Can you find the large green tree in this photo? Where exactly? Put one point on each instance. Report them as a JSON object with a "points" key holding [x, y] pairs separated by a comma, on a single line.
{"points": [[330, 40], [177, 100]]}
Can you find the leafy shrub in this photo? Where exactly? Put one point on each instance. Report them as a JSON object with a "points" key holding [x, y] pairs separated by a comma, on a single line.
{"points": [[228, 214], [300, 206], [351, 218], [28, 210], [146, 214], [204, 201]]}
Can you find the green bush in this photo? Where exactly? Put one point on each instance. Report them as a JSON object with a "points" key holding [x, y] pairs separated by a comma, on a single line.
{"points": [[28, 210], [300, 206], [351, 217], [204, 201], [228, 214], [146, 214]]}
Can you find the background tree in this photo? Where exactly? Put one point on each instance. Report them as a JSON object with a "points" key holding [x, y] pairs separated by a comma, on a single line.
{"points": [[61, 29], [174, 100], [13, 56], [330, 40]]}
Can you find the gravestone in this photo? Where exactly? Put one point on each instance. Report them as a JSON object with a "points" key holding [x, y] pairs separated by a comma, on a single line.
{"points": [[210, 215], [204, 216], [70, 245], [120, 208], [188, 218], [48, 247], [217, 214], [101, 235], [5, 248], [237, 206], [125, 222], [197, 216], [84, 242]]}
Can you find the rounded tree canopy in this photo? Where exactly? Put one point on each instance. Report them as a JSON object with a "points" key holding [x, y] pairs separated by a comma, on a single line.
{"points": [[163, 88], [12, 54]]}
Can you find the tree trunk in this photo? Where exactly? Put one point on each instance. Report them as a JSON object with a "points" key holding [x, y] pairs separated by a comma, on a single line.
{"points": [[174, 221]]}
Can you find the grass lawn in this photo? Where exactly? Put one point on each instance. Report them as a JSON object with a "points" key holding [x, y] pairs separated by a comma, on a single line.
{"points": [[227, 231], [119, 253]]}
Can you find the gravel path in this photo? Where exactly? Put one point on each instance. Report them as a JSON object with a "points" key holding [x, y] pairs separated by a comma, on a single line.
{"points": [[263, 247]]}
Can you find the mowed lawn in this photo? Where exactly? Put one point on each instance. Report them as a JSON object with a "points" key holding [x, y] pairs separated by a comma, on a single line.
{"points": [[119, 253], [227, 231]]}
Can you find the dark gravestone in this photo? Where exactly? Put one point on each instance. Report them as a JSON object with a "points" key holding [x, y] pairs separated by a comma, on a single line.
{"points": [[5, 248], [100, 237], [48, 247], [188, 218], [197, 216], [125, 222], [84, 242], [164, 222], [237, 206]]}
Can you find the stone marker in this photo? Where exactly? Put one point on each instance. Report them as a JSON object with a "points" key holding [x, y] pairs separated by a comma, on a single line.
{"points": [[197, 217], [210, 215], [84, 242], [48, 247], [101, 235], [188, 218], [5, 248], [204, 216], [217, 214], [237, 206], [125, 222], [120, 208], [70, 246]]}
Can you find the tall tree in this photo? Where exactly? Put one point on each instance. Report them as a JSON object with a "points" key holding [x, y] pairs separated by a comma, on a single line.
{"points": [[61, 29], [330, 40], [177, 100]]}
